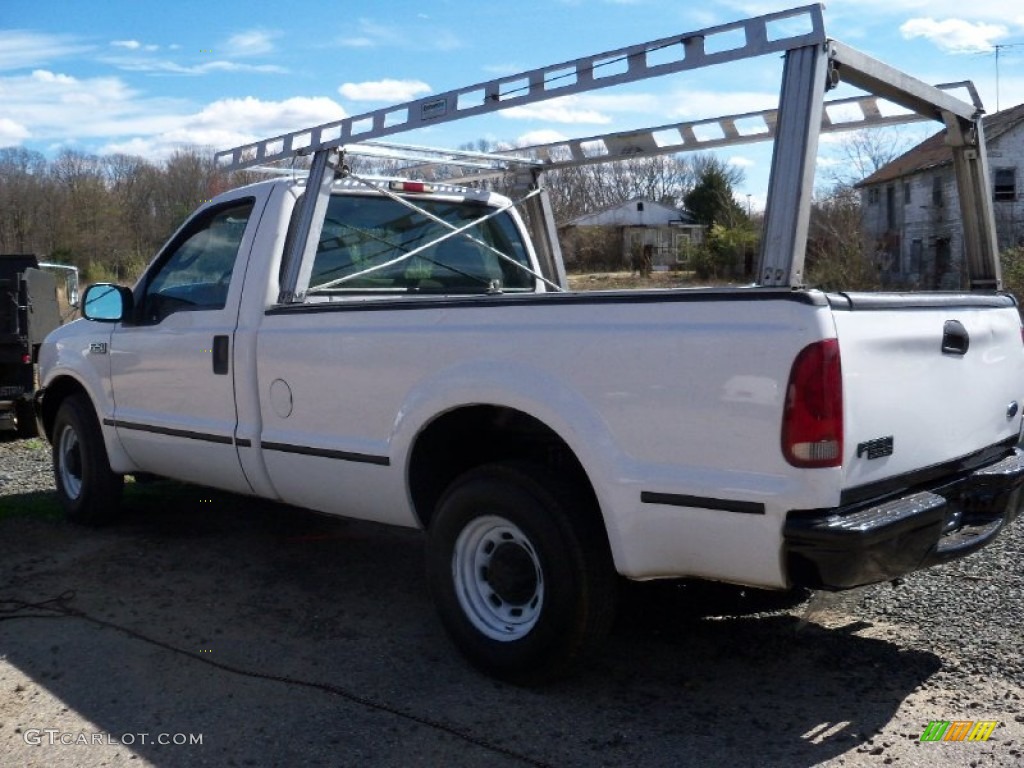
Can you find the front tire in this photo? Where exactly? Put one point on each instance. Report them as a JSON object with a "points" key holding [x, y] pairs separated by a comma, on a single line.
{"points": [[87, 488], [520, 572]]}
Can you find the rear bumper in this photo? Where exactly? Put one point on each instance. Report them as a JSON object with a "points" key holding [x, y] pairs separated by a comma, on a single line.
{"points": [[864, 544]]}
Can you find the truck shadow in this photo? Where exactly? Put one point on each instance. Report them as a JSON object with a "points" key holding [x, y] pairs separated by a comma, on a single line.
{"points": [[284, 637]]}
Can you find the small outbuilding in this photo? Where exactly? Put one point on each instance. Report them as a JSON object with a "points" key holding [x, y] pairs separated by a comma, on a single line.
{"points": [[638, 234]]}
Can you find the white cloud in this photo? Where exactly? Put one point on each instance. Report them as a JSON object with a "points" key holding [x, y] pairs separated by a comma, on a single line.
{"points": [[370, 34], [11, 132], [229, 122], [695, 105], [21, 49], [167, 67], [586, 108], [59, 109], [253, 42], [131, 45], [955, 35], [384, 90], [557, 111], [741, 162], [542, 136]]}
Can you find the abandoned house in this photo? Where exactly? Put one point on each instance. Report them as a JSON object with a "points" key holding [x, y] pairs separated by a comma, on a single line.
{"points": [[911, 212], [636, 233]]}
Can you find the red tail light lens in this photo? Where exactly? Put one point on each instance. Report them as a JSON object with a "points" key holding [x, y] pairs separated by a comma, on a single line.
{"points": [[812, 422]]}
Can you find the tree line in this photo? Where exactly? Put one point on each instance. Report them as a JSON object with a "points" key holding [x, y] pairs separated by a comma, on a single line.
{"points": [[105, 214]]}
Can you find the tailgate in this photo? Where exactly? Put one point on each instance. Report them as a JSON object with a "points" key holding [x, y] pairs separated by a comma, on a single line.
{"points": [[927, 379]]}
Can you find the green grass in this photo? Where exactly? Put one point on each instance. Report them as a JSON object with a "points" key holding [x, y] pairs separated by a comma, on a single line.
{"points": [[166, 496], [42, 505]]}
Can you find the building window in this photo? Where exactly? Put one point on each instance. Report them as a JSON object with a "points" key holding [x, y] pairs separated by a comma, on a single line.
{"points": [[906, 194], [873, 195], [890, 207], [936, 190], [916, 252], [1006, 184]]}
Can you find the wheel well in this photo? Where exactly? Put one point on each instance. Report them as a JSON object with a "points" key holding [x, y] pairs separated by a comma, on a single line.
{"points": [[475, 435], [56, 393]]}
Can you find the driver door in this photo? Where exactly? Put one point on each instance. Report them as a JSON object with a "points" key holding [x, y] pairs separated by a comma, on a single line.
{"points": [[171, 368]]}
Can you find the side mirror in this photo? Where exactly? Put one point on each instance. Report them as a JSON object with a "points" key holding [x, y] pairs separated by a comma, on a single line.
{"points": [[106, 303]]}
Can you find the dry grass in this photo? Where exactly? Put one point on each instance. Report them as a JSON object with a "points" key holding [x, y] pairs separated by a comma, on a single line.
{"points": [[619, 281]]}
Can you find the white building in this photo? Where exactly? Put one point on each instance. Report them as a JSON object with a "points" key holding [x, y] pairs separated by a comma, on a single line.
{"points": [[630, 230], [911, 210]]}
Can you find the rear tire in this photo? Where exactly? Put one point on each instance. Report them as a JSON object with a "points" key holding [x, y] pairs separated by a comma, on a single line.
{"points": [[520, 572], [88, 490]]}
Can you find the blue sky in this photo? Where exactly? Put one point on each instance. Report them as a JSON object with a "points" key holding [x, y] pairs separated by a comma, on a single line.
{"points": [[145, 77]]}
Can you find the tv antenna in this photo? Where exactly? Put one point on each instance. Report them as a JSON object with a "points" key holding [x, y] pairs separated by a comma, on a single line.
{"points": [[998, 49]]}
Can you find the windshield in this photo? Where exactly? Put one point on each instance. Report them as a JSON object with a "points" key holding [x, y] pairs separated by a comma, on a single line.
{"points": [[364, 239]]}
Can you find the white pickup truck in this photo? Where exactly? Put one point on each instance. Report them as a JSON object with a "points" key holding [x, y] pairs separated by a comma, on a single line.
{"points": [[405, 352]]}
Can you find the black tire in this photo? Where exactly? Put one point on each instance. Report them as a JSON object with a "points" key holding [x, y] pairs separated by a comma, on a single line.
{"points": [[26, 419], [520, 572], [88, 490]]}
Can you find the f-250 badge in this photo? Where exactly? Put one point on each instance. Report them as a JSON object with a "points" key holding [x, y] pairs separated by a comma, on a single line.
{"points": [[98, 348], [875, 449]]}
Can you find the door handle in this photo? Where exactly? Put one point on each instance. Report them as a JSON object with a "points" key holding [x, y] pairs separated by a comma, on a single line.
{"points": [[221, 348], [955, 339]]}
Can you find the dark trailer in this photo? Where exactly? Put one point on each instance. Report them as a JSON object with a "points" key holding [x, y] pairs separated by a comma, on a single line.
{"points": [[29, 310]]}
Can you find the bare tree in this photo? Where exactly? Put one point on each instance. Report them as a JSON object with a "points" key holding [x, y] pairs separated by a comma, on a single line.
{"points": [[861, 153], [22, 191]]}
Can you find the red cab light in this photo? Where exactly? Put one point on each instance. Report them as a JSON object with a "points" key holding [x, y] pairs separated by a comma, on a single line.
{"points": [[410, 186], [812, 420]]}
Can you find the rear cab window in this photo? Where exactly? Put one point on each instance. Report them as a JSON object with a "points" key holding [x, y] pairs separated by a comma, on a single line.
{"points": [[372, 244]]}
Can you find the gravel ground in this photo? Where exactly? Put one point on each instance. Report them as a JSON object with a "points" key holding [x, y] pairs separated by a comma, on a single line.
{"points": [[692, 675], [24, 466]]}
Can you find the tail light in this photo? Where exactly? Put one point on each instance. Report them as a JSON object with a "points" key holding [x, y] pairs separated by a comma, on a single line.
{"points": [[812, 421]]}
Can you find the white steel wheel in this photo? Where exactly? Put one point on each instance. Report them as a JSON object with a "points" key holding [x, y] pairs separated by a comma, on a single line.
{"points": [[88, 490], [499, 581], [69, 464], [520, 571]]}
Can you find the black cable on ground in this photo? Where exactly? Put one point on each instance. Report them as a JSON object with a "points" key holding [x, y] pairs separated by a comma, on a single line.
{"points": [[58, 608]]}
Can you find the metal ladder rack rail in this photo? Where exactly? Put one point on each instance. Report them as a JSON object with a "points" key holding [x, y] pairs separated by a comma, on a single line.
{"points": [[576, 76], [662, 139]]}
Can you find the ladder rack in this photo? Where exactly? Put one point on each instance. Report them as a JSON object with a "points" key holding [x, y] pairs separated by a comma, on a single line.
{"points": [[761, 35], [813, 64]]}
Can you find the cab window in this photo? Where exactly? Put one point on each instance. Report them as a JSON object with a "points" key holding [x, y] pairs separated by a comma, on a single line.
{"points": [[196, 270], [365, 237]]}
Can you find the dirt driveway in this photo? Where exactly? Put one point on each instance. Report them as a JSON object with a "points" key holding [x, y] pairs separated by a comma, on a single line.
{"points": [[278, 637]]}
